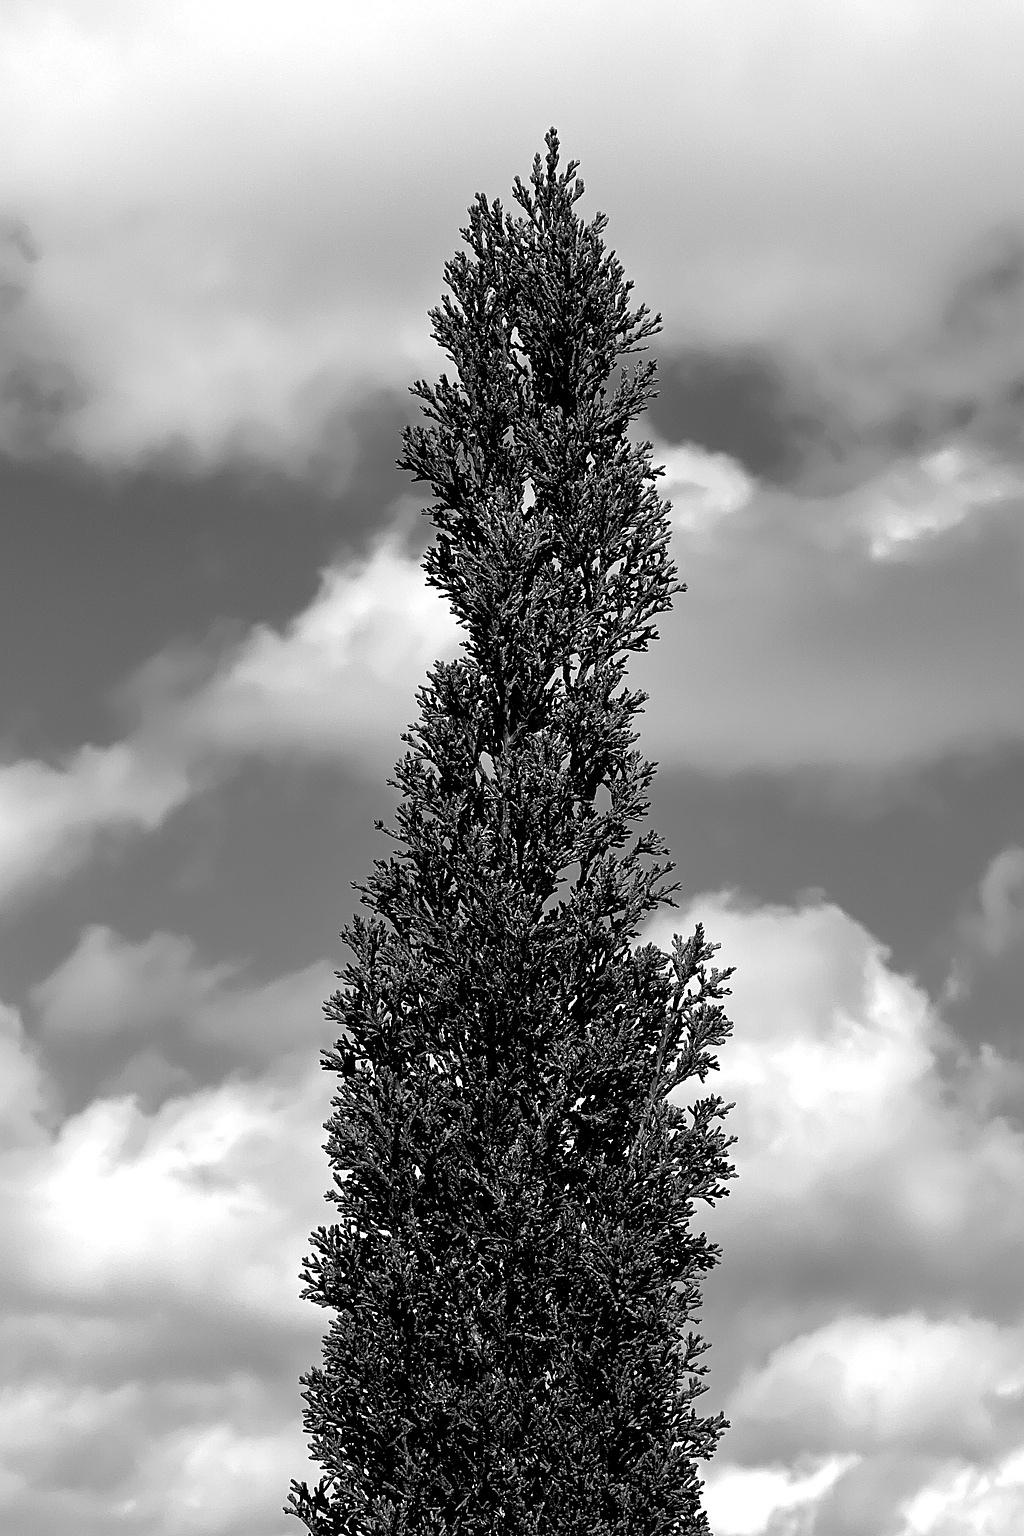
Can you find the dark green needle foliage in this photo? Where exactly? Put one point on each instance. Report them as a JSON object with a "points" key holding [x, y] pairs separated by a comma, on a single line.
{"points": [[513, 1274]]}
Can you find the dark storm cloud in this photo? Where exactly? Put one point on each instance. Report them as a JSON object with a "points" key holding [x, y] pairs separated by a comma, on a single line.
{"points": [[741, 401], [962, 372], [822, 422], [903, 859]]}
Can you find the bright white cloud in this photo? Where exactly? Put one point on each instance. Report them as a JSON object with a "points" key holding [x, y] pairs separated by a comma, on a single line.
{"points": [[701, 486], [149, 1206], [868, 1384], [340, 680], [874, 1170], [740, 1501], [854, 1105], [917, 499], [988, 1503], [150, 1282]]}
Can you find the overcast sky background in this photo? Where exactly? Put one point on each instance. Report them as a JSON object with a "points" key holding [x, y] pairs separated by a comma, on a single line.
{"points": [[221, 226]]}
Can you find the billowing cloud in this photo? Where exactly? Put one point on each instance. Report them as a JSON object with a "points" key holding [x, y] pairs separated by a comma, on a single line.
{"points": [[151, 1321], [339, 681], [868, 1332], [916, 500], [51, 818], [868, 1139], [868, 1335]]}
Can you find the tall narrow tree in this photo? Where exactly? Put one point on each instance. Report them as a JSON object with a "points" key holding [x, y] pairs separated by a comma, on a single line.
{"points": [[513, 1272]]}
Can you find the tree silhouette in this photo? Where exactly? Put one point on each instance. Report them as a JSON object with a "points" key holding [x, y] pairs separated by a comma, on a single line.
{"points": [[513, 1271]]}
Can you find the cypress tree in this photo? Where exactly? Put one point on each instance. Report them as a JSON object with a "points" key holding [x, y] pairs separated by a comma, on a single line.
{"points": [[513, 1271]]}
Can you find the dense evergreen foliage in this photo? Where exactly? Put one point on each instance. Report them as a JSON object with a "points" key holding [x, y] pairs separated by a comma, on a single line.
{"points": [[513, 1272]]}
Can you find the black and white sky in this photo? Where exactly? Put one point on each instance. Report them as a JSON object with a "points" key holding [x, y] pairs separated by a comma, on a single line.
{"points": [[221, 227]]}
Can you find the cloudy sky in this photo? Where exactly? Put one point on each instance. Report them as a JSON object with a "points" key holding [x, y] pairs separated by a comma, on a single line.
{"points": [[221, 226]]}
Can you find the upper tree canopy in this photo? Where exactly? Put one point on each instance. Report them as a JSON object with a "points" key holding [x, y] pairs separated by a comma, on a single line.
{"points": [[513, 1269], [555, 582]]}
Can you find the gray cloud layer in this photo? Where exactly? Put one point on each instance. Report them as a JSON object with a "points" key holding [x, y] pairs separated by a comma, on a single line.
{"points": [[242, 217]]}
